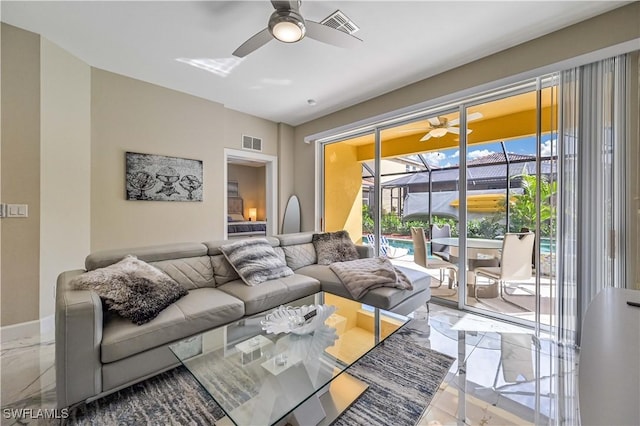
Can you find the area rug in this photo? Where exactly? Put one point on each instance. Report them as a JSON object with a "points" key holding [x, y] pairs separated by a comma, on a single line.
{"points": [[403, 376]]}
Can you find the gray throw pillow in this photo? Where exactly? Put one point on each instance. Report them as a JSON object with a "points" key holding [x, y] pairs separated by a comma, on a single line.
{"points": [[255, 260], [132, 288], [334, 247]]}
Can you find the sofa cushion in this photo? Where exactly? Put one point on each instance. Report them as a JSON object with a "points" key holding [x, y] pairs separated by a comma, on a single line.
{"points": [[189, 272], [103, 258], [214, 247], [300, 255], [223, 272], [271, 293], [255, 260], [383, 297], [201, 309], [334, 247], [280, 252], [132, 288]]}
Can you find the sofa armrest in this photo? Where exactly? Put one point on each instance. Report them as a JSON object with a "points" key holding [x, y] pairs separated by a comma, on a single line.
{"points": [[364, 251], [78, 336]]}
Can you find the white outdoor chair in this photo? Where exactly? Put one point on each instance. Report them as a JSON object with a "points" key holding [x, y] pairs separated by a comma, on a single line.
{"points": [[440, 250], [386, 249], [421, 257], [515, 262]]}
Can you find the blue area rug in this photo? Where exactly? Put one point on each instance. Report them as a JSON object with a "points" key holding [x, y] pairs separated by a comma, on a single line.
{"points": [[403, 376]]}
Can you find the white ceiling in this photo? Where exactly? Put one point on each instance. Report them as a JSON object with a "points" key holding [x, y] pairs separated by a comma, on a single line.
{"points": [[403, 42]]}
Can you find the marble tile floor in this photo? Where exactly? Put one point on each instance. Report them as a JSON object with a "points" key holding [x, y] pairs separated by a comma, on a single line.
{"points": [[503, 374]]}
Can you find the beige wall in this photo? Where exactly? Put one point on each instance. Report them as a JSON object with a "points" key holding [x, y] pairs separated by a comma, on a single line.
{"points": [[131, 115], [610, 29], [20, 171], [65, 130], [286, 139], [237, 124], [65, 177], [251, 187]]}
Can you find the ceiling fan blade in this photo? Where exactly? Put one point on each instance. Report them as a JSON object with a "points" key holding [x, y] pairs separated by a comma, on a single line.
{"points": [[426, 137], [474, 116], [435, 121], [254, 43], [455, 130], [330, 35], [470, 117], [278, 5]]}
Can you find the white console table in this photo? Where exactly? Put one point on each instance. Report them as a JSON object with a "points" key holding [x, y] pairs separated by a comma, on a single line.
{"points": [[609, 363]]}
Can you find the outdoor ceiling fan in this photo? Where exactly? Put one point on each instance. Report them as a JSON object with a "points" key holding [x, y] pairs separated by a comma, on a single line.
{"points": [[440, 126], [287, 25]]}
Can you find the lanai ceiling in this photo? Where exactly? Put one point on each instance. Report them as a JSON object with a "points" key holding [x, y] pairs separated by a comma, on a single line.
{"points": [[508, 118], [403, 42]]}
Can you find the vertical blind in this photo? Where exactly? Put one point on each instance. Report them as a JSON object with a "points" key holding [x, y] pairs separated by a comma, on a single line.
{"points": [[592, 188]]}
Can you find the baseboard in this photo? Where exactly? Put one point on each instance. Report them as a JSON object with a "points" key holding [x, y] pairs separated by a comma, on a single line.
{"points": [[27, 329], [47, 325]]}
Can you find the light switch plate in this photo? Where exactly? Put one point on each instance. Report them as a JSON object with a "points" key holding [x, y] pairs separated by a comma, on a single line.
{"points": [[17, 210]]}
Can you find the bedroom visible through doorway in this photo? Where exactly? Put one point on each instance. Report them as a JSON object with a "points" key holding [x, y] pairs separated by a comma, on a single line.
{"points": [[250, 194]]}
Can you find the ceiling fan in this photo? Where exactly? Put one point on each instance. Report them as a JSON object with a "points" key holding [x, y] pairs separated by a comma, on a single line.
{"points": [[286, 24], [440, 126]]}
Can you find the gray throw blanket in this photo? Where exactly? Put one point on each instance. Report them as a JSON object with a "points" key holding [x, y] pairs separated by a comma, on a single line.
{"points": [[361, 275]]}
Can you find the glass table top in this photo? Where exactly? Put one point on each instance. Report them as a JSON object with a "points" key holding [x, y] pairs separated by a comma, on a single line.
{"points": [[259, 378]]}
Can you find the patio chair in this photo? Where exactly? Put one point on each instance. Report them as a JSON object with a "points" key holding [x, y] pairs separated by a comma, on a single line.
{"points": [[386, 249], [421, 257], [440, 250], [515, 263]]}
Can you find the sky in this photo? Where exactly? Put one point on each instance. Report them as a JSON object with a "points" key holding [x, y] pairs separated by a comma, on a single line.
{"points": [[450, 157]]}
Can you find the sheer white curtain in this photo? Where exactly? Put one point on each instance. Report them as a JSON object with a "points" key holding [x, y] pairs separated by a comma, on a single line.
{"points": [[592, 148]]}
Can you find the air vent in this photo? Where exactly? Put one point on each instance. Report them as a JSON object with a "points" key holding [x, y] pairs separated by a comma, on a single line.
{"points": [[249, 142], [340, 21]]}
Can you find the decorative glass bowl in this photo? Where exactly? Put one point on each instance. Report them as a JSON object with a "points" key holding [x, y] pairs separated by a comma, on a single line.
{"points": [[296, 320]]}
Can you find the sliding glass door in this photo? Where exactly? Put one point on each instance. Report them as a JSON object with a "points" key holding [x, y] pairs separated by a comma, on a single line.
{"points": [[466, 175], [510, 187]]}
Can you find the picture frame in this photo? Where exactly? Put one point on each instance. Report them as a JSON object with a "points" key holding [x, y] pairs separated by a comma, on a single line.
{"points": [[232, 188], [151, 177]]}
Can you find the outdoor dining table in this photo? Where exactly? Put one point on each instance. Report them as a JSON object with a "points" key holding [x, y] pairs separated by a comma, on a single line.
{"points": [[480, 252]]}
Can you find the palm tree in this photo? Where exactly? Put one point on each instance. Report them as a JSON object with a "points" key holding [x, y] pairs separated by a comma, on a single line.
{"points": [[523, 207]]}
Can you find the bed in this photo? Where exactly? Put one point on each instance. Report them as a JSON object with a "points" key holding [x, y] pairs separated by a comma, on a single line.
{"points": [[237, 225]]}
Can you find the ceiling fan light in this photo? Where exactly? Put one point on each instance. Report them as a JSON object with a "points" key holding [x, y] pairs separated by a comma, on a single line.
{"points": [[439, 132], [287, 26]]}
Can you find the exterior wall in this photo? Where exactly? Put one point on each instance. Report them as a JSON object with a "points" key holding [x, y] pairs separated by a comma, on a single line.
{"points": [[20, 169], [343, 186]]}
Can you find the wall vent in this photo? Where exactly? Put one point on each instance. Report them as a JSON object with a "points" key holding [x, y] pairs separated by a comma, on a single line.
{"points": [[340, 21], [249, 142]]}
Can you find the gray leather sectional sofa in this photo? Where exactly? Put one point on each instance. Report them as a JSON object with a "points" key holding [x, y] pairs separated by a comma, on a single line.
{"points": [[98, 352]]}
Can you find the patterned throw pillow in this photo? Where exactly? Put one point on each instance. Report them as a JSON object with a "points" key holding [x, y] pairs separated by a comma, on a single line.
{"points": [[255, 260], [132, 288], [300, 255], [334, 247]]}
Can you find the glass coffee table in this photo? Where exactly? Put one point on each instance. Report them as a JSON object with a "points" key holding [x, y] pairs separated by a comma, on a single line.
{"points": [[265, 379]]}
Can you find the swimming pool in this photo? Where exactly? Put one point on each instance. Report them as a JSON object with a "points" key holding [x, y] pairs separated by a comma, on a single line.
{"points": [[545, 245]]}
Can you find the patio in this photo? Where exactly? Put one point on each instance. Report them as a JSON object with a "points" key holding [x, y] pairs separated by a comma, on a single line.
{"points": [[520, 304]]}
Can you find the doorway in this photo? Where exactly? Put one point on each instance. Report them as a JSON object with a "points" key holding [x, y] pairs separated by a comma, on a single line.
{"points": [[251, 192]]}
